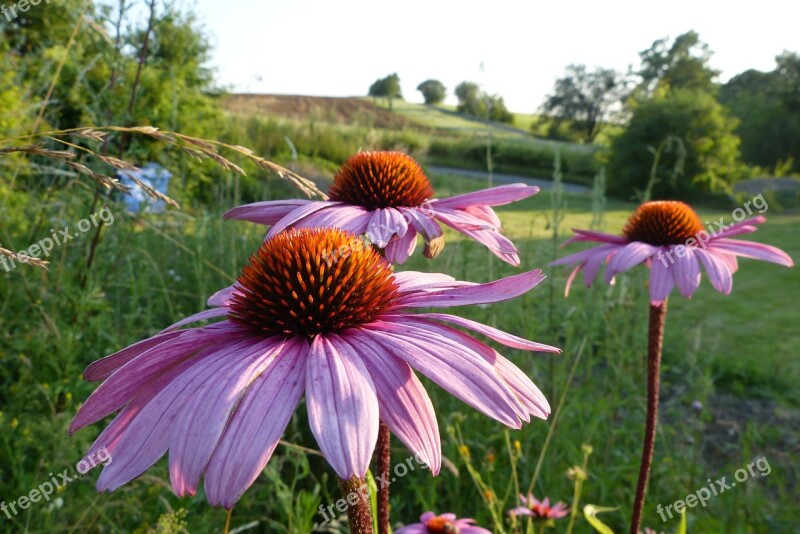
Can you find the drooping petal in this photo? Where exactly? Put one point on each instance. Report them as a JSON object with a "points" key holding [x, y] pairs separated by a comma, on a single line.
{"points": [[301, 213], [628, 256], [743, 227], [379, 229], [223, 296], [268, 212], [484, 213], [199, 426], [201, 316], [493, 196], [457, 369], [751, 249], [602, 252], [400, 248], [600, 237], [719, 273], [686, 272], [125, 382], [509, 340], [415, 282], [353, 219], [661, 281], [148, 436], [414, 528], [255, 428], [424, 222], [342, 406], [404, 404], [499, 290], [104, 367]]}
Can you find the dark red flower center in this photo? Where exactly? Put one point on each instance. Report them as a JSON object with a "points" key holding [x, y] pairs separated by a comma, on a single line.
{"points": [[441, 525], [311, 280], [381, 180], [663, 222]]}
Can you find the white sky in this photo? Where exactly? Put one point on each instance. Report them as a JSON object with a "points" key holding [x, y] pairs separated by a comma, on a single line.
{"points": [[339, 47]]}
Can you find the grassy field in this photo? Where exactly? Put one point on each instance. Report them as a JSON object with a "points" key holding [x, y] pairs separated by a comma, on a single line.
{"points": [[737, 355]]}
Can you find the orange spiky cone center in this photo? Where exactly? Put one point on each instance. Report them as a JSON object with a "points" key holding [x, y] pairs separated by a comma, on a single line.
{"points": [[309, 281], [377, 180], [663, 222]]}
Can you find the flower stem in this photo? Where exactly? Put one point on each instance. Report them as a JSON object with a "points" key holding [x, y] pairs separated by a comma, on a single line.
{"points": [[655, 338], [359, 513], [384, 466]]}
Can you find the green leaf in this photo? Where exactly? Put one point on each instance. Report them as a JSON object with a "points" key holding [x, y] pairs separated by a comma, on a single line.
{"points": [[590, 512]]}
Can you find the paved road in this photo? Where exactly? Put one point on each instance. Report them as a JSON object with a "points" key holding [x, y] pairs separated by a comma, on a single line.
{"points": [[507, 179]]}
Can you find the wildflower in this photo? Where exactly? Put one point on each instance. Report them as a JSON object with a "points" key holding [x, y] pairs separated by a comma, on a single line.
{"points": [[539, 510], [219, 397], [388, 196], [669, 237], [431, 523]]}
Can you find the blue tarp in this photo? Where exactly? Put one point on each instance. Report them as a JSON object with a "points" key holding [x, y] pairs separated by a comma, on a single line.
{"points": [[151, 174]]}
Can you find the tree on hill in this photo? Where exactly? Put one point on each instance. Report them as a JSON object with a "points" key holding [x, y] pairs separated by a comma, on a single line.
{"points": [[433, 91], [473, 101], [582, 100], [682, 64], [388, 88]]}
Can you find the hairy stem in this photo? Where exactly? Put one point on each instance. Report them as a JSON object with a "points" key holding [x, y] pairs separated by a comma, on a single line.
{"points": [[359, 513], [655, 338], [384, 467]]}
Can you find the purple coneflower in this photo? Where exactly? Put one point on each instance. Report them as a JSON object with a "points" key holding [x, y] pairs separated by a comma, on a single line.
{"points": [[669, 237], [539, 510], [219, 397], [387, 196], [431, 523]]}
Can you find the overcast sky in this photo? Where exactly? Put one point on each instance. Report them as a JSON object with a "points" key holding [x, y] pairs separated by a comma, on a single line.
{"points": [[339, 47]]}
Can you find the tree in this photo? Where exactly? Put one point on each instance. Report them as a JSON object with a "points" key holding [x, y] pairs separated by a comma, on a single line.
{"points": [[433, 91], [473, 101], [684, 64], [707, 137], [583, 99], [388, 87], [767, 105]]}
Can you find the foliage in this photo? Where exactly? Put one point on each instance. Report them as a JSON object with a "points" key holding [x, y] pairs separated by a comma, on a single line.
{"points": [[682, 64], [433, 91], [767, 105], [476, 103], [707, 134], [583, 100], [388, 88]]}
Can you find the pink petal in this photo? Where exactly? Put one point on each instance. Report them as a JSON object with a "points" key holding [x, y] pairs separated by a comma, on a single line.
{"points": [[742, 227], [509, 340], [379, 229], [601, 237], [628, 256], [427, 516], [460, 220], [499, 290], [424, 223], [484, 213], [414, 528], [601, 252], [301, 213], [751, 249], [251, 438], [124, 383], [202, 316], [223, 296], [268, 212], [686, 272], [199, 426], [104, 367], [404, 404], [415, 282], [148, 436], [353, 219], [342, 406], [400, 248], [456, 368], [719, 273], [661, 281], [494, 196]]}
